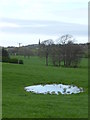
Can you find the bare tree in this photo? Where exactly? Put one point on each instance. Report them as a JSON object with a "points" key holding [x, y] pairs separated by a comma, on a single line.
{"points": [[63, 41], [70, 53], [44, 49], [55, 55], [27, 52]]}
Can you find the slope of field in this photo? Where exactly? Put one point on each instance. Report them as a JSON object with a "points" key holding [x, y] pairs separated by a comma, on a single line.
{"points": [[17, 103]]}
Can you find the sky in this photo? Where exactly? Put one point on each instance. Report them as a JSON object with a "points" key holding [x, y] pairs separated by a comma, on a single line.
{"points": [[27, 21]]}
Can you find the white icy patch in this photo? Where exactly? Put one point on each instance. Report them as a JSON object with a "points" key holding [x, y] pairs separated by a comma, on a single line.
{"points": [[54, 89]]}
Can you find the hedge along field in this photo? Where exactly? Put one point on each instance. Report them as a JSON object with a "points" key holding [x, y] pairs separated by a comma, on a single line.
{"points": [[17, 103]]}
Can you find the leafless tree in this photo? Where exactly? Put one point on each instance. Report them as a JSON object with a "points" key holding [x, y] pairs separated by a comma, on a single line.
{"points": [[44, 49], [69, 52], [63, 41], [55, 55]]}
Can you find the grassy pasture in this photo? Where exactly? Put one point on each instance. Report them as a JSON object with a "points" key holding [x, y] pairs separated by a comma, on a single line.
{"points": [[17, 103]]}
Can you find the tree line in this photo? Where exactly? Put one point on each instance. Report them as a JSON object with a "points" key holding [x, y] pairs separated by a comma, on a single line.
{"points": [[62, 53], [65, 51]]}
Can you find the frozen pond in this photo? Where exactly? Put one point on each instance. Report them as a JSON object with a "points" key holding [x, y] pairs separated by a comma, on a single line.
{"points": [[54, 89]]}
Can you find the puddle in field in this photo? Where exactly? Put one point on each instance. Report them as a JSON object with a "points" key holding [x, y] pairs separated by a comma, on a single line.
{"points": [[54, 89]]}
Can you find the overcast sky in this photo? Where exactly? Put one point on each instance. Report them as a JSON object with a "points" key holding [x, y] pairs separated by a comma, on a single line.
{"points": [[27, 21]]}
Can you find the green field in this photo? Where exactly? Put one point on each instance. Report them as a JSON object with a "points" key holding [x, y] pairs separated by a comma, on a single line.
{"points": [[17, 103]]}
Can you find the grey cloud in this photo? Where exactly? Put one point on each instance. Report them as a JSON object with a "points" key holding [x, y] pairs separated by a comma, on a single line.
{"points": [[51, 28]]}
